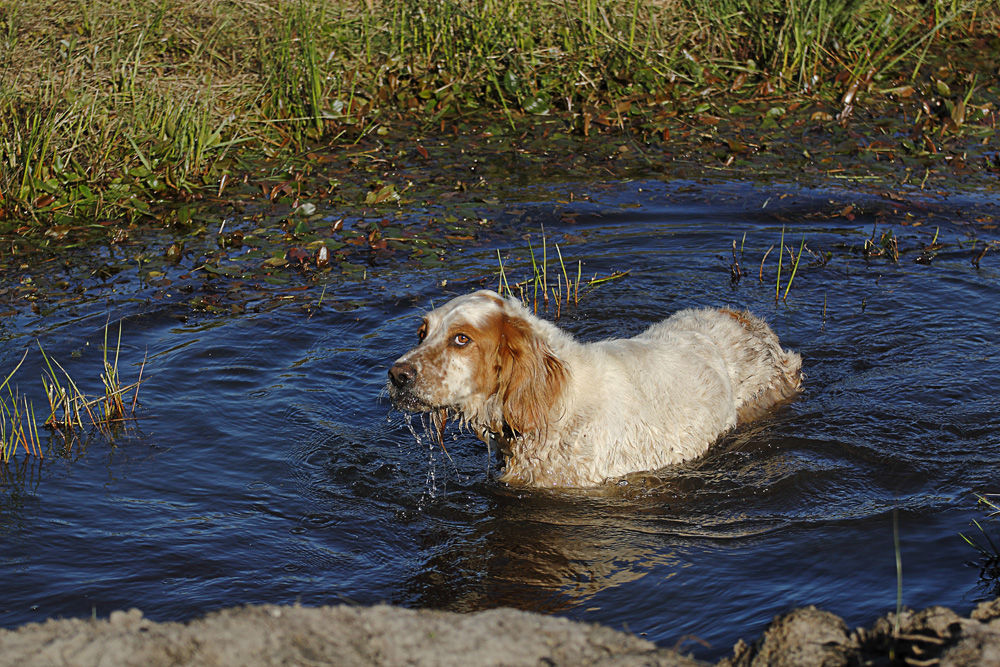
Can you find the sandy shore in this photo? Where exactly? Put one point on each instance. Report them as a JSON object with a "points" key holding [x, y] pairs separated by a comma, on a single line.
{"points": [[384, 635]]}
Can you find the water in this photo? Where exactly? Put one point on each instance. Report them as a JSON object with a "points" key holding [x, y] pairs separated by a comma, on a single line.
{"points": [[267, 466]]}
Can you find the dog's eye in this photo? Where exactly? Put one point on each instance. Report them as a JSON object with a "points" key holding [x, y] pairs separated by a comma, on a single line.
{"points": [[422, 332], [461, 340]]}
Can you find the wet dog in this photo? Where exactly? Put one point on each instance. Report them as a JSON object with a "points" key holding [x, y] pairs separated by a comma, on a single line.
{"points": [[571, 414]]}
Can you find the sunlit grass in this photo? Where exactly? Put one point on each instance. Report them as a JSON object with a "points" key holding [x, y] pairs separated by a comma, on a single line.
{"points": [[564, 291], [987, 546], [106, 107], [18, 428], [71, 412]]}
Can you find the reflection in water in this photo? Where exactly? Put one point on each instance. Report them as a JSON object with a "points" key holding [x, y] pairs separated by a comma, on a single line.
{"points": [[541, 553], [20, 478]]}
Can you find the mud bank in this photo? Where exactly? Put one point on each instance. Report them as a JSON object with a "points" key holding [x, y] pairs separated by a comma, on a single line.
{"points": [[384, 635]]}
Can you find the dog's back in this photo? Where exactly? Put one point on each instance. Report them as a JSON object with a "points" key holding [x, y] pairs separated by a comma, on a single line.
{"points": [[762, 373]]}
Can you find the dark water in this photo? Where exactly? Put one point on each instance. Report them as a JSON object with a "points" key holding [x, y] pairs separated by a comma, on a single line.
{"points": [[265, 467]]}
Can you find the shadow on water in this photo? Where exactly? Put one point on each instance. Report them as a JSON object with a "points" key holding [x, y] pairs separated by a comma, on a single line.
{"points": [[265, 468]]}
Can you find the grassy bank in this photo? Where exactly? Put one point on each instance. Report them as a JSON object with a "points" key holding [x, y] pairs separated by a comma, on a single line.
{"points": [[107, 108]]}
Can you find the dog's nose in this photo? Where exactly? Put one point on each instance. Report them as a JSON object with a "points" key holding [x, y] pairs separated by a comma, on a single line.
{"points": [[402, 374]]}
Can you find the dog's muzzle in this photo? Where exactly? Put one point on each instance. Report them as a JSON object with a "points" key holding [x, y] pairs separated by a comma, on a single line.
{"points": [[402, 382], [403, 375]]}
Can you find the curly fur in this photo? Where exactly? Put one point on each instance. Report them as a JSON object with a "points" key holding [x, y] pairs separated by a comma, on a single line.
{"points": [[573, 414]]}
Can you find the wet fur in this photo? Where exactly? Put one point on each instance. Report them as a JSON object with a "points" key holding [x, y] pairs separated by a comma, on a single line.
{"points": [[573, 414]]}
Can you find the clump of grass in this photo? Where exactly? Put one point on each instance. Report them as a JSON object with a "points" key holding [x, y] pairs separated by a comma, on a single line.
{"points": [[987, 548], [563, 292], [887, 245], [71, 411], [18, 428], [795, 268]]}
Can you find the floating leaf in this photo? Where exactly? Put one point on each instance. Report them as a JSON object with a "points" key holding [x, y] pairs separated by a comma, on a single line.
{"points": [[387, 192], [58, 232], [958, 113], [538, 105]]}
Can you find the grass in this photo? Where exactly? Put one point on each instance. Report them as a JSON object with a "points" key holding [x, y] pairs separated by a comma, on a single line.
{"points": [[736, 272], [18, 428], [987, 548], [71, 411], [107, 108], [564, 291]]}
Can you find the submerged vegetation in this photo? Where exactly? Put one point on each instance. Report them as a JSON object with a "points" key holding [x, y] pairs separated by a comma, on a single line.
{"points": [[109, 109]]}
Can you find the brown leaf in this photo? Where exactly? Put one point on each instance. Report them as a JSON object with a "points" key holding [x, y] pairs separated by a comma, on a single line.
{"points": [[737, 146], [281, 188], [902, 91], [298, 255], [58, 232], [958, 113]]}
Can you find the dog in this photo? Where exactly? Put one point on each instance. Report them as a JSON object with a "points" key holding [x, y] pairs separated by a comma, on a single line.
{"points": [[571, 414]]}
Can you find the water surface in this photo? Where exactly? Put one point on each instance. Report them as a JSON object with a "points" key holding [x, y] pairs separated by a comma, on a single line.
{"points": [[267, 466]]}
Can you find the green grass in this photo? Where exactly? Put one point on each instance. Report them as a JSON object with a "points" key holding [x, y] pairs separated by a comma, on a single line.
{"points": [[18, 428], [107, 108], [987, 546], [563, 292], [71, 411]]}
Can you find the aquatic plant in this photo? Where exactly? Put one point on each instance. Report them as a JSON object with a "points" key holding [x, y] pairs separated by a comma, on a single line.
{"points": [[562, 292], [795, 267], [988, 549], [792, 257], [70, 409], [18, 427]]}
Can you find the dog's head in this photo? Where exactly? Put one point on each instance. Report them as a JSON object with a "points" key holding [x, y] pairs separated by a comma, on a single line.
{"points": [[480, 356]]}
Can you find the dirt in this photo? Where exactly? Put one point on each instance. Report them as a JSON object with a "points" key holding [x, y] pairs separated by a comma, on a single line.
{"points": [[934, 636], [385, 635]]}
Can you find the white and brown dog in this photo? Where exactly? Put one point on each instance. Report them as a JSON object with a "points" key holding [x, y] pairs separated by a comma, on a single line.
{"points": [[571, 414]]}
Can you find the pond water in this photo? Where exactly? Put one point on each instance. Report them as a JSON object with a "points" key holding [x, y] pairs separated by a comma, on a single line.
{"points": [[267, 466]]}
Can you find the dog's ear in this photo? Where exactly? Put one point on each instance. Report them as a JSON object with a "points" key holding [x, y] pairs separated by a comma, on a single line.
{"points": [[531, 376]]}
